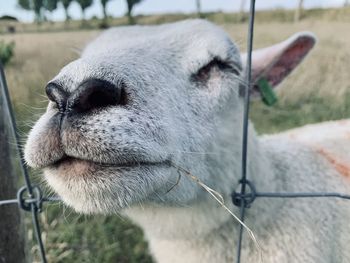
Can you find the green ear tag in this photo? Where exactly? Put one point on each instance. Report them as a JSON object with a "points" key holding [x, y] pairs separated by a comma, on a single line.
{"points": [[269, 97]]}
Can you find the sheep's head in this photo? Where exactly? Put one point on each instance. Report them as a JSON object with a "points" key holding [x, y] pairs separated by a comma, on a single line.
{"points": [[137, 100]]}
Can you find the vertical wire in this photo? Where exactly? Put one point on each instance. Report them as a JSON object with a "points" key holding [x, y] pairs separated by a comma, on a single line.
{"points": [[248, 77], [12, 120], [13, 128], [38, 233]]}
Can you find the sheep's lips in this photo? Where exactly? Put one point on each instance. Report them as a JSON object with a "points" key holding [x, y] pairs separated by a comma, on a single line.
{"points": [[72, 166]]}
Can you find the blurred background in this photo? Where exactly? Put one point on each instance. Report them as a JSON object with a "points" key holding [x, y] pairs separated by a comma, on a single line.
{"points": [[38, 37]]}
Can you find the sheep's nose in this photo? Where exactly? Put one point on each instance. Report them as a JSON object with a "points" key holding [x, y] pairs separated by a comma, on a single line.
{"points": [[92, 93], [56, 94]]}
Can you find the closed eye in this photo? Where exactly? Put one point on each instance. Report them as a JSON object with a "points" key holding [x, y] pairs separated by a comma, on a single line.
{"points": [[203, 74]]}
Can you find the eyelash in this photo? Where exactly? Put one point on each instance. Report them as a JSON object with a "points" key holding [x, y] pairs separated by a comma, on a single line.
{"points": [[203, 73]]}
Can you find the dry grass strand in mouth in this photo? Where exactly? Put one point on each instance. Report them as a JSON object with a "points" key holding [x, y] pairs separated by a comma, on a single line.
{"points": [[219, 198], [176, 183]]}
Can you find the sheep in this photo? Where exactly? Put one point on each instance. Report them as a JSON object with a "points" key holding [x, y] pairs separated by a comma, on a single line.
{"points": [[143, 101]]}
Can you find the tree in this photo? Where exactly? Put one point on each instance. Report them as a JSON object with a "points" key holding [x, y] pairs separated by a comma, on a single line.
{"points": [[104, 4], [242, 15], [66, 4], [83, 5], [131, 4], [33, 5], [299, 11], [37, 6], [25, 4], [198, 7], [50, 5]]}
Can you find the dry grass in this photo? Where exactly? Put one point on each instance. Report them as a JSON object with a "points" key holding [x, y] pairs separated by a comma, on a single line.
{"points": [[38, 57], [318, 90]]}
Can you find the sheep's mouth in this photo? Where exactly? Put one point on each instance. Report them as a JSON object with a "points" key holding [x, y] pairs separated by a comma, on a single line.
{"points": [[68, 161]]}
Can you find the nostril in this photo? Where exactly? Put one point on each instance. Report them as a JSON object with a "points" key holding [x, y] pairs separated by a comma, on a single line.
{"points": [[94, 93], [56, 94]]}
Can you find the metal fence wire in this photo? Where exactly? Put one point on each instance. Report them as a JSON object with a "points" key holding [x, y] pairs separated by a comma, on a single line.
{"points": [[30, 198]]}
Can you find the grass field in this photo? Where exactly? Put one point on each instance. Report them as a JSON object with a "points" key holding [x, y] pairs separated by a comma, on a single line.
{"points": [[319, 90]]}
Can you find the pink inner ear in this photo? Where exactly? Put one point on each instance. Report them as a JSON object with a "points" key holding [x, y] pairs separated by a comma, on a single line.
{"points": [[288, 60], [276, 62]]}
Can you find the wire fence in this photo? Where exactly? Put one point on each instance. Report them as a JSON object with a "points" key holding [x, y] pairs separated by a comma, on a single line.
{"points": [[248, 193], [30, 197]]}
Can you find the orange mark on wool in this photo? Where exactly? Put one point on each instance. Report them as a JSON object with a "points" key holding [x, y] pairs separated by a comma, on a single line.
{"points": [[340, 166], [292, 136], [343, 122]]}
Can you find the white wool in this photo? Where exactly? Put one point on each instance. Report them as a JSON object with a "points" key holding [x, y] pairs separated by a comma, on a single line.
{"points": [[171, 117]]}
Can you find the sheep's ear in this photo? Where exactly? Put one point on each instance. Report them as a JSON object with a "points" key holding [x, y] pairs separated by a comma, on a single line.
{"points": [[272, 64]]}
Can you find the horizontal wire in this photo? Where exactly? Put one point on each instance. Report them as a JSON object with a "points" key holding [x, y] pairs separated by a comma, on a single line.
{"points": [[302, 195], [32, 200], [8, 202], [257, 195]]}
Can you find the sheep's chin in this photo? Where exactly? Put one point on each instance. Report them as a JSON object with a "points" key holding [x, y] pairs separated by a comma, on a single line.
{"points": [[90, 188]]}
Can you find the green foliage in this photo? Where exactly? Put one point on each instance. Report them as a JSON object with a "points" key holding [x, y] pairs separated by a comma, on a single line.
{"points": [[50, 5], [33, 5], [6, 52], [36, 6], [104, 2], [75, 238], [131, 3], [25, 4], [66, 4], [10, 18], [83, 5]]}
